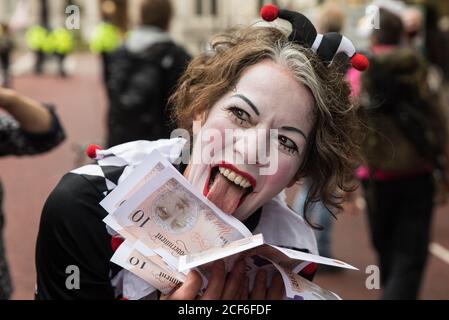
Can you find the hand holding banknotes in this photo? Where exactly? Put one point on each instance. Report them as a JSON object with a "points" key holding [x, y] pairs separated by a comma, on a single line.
{"points": [[234, 286]]}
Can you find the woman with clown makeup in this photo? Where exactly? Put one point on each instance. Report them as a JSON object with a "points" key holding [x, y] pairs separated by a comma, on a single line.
{"points": [[255, 79]]}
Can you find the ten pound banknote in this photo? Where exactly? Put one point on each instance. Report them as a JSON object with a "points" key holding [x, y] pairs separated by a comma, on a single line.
{"points": [[171, 229], [165, 214]]}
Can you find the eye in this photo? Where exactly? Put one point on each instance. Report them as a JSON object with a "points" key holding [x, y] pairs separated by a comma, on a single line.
{"points": [[240, 116], [288, 145]]}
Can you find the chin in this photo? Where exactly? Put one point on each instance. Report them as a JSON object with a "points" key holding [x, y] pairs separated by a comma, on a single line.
{"points": [[242, 214]]}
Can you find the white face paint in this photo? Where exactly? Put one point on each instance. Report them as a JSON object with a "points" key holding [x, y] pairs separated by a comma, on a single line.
{"points": [[267, 97]]}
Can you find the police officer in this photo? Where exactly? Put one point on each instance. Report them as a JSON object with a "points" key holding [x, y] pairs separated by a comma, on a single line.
{"points": [[44, 42], [105, 40], [36, 38], [62, 44]]}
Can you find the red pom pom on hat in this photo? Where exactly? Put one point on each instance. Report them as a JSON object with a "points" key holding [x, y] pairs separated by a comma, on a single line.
{"points": [[360, 62], [269, 12], [91, 151]]}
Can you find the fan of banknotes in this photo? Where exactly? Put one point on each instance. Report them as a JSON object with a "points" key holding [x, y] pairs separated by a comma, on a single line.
{"points": [[170, 229]]}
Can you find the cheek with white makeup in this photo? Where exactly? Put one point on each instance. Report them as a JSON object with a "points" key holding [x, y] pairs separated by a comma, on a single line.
{"points": [[209, 145], [271, 185], [287, 169]]}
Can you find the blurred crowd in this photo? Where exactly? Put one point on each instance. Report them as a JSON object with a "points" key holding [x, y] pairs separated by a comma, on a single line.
{"points": [[401, 100], [402, 104]]}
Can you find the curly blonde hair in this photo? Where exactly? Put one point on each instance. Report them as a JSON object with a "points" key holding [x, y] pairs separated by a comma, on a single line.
{"points": [[332, 150]]}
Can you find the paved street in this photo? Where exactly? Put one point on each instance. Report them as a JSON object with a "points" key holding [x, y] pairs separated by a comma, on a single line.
{"points": [[81, 105], [352, 245]]}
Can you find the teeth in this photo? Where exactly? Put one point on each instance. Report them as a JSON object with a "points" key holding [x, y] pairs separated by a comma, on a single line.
{"points": [[225, 172], [234, 177]]}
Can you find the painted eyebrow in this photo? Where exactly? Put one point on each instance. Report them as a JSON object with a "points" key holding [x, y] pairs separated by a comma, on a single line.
{"points": [[249, 102], [295, 130]]}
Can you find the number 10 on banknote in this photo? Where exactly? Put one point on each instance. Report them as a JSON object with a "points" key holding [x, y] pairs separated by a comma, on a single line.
{"points": [[165, 213]]}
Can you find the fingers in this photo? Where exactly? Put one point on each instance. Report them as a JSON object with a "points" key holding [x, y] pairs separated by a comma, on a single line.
{"points": [[260, 286], [189, 290], [216, 282], [244, 292], [235, 281], [276, 292], [236, 287]]}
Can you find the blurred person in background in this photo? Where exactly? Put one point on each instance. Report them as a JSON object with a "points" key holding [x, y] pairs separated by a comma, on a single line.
{"points": [[36, 38], [142, 75], [29, 128], [6, 47], [412, 19], [443, 26], [61, 44], [45, 43], [405, 155], [106, 37], [37, 35], [331, 19], [436, 47]]}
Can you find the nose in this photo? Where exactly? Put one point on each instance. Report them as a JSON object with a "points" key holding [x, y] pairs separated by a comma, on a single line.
{"points": [[252, 146]]}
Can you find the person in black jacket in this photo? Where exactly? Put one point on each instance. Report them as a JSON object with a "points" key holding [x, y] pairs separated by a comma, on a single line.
{"points": [[142, 75], [405, 153], [29, 128]]}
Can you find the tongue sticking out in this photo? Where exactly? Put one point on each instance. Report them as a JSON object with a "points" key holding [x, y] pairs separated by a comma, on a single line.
{"points": [[225, 194]]}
